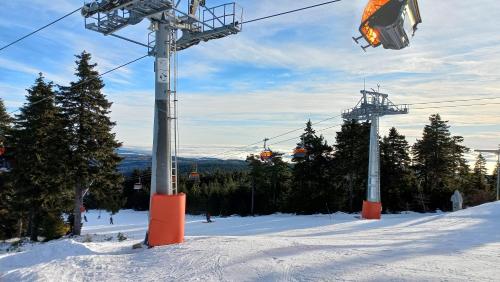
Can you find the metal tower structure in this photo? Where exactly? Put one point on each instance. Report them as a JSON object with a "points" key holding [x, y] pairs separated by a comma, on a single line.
{"points": [[497, 152], [371, 107], [198, 24]]}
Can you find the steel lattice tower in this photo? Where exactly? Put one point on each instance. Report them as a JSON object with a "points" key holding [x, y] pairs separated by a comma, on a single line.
{"points": [[371, 107]]}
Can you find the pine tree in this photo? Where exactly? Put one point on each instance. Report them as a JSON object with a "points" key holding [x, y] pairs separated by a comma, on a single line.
{"points": [[91, 144], [7, 214], [396, 175], [311, 188], [439, 162], [479, 190], [494, 180], [40, 173], [5, 121], [350, 165]]}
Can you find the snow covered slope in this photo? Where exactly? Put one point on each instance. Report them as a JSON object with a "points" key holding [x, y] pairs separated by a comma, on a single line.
{"points": [[461, 246]]}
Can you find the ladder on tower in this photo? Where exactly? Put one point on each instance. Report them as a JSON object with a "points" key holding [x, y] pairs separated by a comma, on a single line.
{"points": [[174, 142]]}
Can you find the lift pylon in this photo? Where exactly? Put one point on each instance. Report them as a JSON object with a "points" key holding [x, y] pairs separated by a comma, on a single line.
{"points": [[371, 107], [199, 23]]}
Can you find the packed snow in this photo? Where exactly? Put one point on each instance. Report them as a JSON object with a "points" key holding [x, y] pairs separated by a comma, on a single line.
{"points": [[460, 246]]}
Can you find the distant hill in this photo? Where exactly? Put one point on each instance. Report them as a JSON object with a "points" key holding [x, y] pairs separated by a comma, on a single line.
{"points": [[137, 159]]}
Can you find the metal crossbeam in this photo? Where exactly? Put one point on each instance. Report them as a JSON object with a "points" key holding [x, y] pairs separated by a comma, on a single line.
{"points": [[374, 104]]}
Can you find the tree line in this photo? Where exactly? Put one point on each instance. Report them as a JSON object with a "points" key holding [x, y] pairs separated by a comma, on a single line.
{"points": [[331, 178], [64, 160]]}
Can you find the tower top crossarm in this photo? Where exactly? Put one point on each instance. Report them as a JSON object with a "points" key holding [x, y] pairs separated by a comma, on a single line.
{"points": [[374, 104], [109, 16]]}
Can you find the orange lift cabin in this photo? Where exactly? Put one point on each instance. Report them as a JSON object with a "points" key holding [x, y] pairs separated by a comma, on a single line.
{"points": [[194, 176], [389, 23], [267, 154], [300, 151]]}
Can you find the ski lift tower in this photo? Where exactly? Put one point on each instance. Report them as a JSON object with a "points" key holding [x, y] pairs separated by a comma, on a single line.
{"points": [[497, 152], [372, 106], [199, 23]]}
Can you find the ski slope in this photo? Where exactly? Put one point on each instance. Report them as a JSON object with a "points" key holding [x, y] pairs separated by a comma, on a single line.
{"points": [[461, 246]]}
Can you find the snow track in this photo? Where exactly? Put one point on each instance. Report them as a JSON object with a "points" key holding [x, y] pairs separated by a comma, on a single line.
{"points": [[461, 246]]}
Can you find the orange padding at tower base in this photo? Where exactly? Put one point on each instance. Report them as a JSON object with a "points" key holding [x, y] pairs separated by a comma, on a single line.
{"points": [[166, 219], [371, 210]]}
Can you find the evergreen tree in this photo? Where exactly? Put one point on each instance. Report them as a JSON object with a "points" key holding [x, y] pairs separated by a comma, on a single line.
{"points": [[479, 191], [91, 144], [40, 172], [311, 189], [494, 181], [5, 121], [439, 163], [7, 213], [350, 166], [396, 176]]}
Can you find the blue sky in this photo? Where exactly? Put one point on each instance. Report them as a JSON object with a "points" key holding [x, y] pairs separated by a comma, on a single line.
{"points": [[274, 75]]}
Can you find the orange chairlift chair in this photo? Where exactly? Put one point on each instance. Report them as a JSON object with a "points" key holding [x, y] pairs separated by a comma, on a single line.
{"points": [[267, 154], [389, 23]]}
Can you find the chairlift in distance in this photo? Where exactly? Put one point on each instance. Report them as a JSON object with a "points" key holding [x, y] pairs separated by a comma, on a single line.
{"points": [[4, 163], [194, 175], [300, 151], [389, 23], [267, 154], [138, 184]]}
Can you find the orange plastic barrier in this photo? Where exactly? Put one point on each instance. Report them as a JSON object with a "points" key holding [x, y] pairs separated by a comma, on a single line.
{"points": [[166, 219], [371, 210]]}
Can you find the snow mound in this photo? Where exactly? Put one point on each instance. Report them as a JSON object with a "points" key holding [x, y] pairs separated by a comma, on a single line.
{"points": [[42, 253]]}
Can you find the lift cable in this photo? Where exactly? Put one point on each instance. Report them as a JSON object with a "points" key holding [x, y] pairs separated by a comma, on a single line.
{"points": [[78, 9], [423, 103], [454, 101], [456, 106], [272, 138], [71, 13], [234, 152], [39, 29], [90, 79], [292, 11], [275, 143], [228, 153]]}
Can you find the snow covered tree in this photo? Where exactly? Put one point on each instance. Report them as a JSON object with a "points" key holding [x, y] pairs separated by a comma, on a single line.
{"points": [[40, 172], [439, 162], [91, 145]]}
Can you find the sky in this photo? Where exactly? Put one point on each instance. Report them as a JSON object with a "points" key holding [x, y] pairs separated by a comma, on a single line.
{"points": [[274, 75]]}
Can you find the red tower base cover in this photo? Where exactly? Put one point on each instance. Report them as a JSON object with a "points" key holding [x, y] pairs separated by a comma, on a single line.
{"points": [[371, 210], [166, 219]]}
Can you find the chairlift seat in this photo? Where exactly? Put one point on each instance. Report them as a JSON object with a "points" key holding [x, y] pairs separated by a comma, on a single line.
{"points": [[390, 23]]}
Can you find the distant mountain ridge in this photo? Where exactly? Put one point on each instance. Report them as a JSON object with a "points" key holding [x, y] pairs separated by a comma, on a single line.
{"points": [[141, 159]]}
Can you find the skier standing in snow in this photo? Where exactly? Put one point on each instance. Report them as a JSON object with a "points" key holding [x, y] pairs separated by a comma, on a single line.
{"points": [[111, 220]]}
